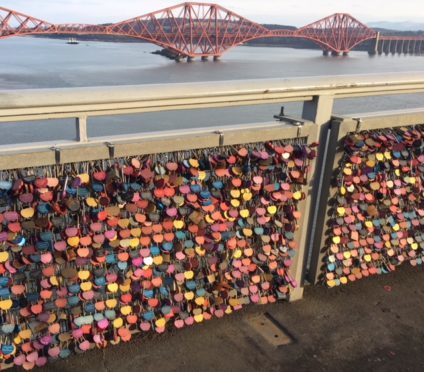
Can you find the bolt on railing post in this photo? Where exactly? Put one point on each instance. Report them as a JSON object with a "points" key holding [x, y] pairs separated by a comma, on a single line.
{"points": [[319, 111], [81, 128]]}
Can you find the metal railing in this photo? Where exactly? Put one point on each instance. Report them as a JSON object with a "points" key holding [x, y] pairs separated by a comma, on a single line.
{"points": [[340, 128], [82, 103], [317, 94]]}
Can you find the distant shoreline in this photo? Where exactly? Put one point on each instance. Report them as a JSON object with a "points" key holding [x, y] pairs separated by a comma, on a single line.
{"points": [[268, 43]]}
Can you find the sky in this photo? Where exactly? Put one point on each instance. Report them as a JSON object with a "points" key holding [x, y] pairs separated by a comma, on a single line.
{"points": [[292, 12]]}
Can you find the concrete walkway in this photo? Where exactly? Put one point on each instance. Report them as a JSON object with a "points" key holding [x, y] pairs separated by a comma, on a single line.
{"points": [[375, 324]]}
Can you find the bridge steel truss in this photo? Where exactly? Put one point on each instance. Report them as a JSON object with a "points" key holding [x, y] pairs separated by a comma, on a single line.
{"points": [[198, 30]]}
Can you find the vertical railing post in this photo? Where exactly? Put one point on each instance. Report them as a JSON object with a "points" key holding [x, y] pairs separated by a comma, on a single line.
{"points": [[81, 128], [297, 269], [319, 111]]}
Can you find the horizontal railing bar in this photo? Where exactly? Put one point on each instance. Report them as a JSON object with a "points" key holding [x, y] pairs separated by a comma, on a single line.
{"points": [[385, 92], [95, 101], [4, 149], [42, 153], [378, 115], [15, 115], [380, 120]]}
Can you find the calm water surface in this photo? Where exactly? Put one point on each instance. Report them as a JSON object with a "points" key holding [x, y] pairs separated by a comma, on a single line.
{"points": [[47, 63]]}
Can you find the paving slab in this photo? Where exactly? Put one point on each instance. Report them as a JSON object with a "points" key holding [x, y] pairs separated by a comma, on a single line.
{"points": [[375, 324]]}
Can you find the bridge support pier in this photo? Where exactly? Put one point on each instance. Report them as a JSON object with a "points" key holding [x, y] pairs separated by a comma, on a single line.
{"points": [[335, 54], [382, 46], [374, 49], [325, 52], [216, 58], [204, 59], [345, 54], [388, 47], [190, 59]]}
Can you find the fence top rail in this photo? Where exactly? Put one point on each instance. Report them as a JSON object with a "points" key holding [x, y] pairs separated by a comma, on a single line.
{"points": [[221, 93]]}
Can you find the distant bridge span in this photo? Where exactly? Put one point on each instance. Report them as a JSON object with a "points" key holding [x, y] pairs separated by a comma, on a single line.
{"points": [[200, 30]]}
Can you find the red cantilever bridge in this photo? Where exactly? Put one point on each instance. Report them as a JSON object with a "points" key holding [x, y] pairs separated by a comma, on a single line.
{"points": [[202, 30]]}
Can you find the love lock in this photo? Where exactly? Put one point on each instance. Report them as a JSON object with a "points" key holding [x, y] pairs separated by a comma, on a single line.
{"points": [[373, 215], [125, 245]]}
